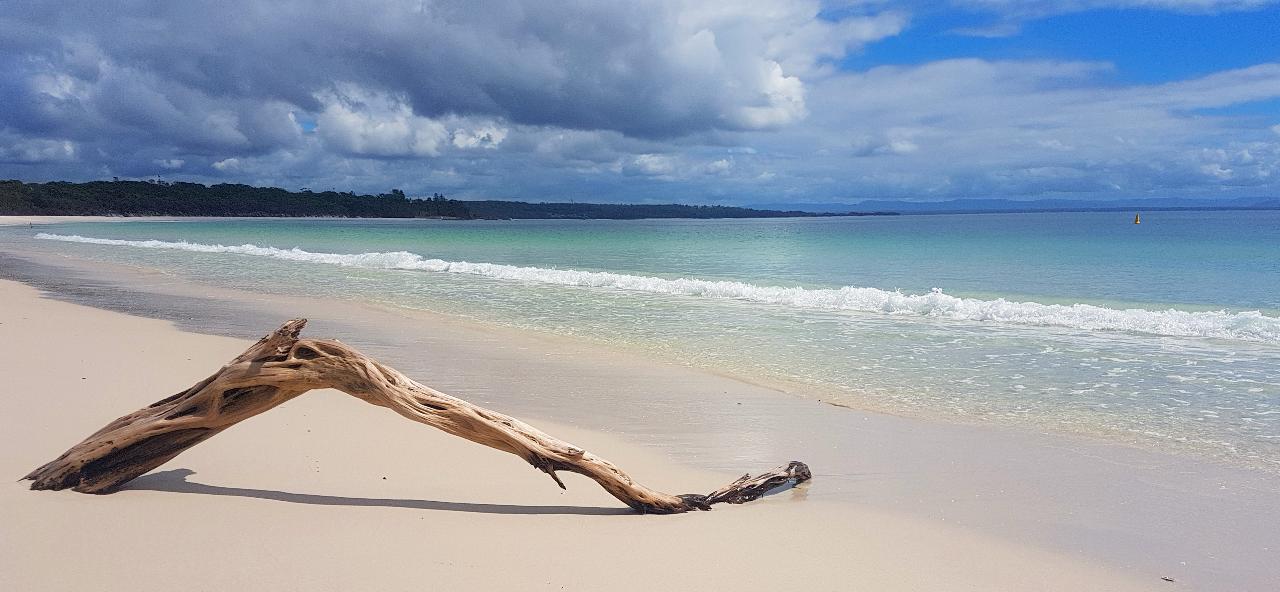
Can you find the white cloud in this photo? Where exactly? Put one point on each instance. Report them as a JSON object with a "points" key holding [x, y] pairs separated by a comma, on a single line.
{"points": [[894, 140], [1217, 171], [169, 163], [783, 98], [33, 151], [483, 136], [971, 128], [363, 122], [718, 167], [577, 150], [654, 165], [227, 165], [58, 85], [1054, 144]]}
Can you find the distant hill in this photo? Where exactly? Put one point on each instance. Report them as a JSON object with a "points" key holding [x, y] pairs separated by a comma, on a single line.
{"points": [[964, 206], [143, 198]]}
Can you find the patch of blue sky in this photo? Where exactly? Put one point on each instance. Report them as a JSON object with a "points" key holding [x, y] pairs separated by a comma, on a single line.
{"points": [[307, 123], [1145, 46]]}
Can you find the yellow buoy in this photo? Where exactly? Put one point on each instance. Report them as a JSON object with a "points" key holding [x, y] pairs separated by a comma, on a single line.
{"points": [[1137, 218]]}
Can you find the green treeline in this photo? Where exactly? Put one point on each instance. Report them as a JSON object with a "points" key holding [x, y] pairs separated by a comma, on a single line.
{"points": [[140, 198], [148, 198]]}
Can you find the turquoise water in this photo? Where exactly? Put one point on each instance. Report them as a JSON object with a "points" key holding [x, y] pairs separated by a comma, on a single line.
{"points": [[1165, 334]]}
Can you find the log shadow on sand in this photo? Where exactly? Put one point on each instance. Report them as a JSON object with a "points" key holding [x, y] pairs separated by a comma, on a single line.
{"points": [[175, 481]]}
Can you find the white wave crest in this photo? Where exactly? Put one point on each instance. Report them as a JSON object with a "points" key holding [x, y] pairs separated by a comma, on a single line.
{"points": [[1247, 326]]}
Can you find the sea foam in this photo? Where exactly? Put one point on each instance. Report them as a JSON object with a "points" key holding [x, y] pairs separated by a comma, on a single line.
{"points": [[1246, 326]]}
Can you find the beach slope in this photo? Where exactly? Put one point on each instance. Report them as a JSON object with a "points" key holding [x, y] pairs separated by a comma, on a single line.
{"points": [[328, 493]]}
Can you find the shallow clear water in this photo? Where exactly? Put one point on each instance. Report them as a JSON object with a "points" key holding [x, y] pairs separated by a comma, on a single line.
{"points": [[1165, 334]]}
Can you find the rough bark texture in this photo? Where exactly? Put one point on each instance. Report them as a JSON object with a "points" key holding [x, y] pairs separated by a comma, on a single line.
{"points": [[281, 366]]}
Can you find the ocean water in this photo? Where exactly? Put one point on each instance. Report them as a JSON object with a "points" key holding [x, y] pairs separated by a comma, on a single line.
{"points": [[1164, 334]]}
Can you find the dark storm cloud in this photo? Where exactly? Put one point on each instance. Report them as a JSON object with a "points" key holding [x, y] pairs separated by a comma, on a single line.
{"points": [[627, 66]]}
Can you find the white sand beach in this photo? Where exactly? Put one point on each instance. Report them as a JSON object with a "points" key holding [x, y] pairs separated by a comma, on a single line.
{"points": [[327, 493]]}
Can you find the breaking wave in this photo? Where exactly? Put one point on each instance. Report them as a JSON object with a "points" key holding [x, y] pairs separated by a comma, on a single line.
{"points": [[1247, 326]]}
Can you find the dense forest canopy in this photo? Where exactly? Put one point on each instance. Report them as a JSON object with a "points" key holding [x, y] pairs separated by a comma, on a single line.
{"points": [[157, 198], [141, 198]]}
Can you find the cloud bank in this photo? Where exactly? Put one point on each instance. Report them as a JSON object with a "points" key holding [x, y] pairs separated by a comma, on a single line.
{"points": [[650, 100]]}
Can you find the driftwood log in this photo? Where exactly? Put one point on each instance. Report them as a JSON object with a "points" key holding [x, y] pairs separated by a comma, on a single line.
{"points": [[281, 366]]}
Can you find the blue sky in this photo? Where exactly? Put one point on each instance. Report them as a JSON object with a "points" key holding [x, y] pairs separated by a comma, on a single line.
{"points": [[752, 102], [1146, 46]]}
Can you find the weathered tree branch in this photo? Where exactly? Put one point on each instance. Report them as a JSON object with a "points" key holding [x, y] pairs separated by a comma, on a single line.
{"points": [[281, 366]]}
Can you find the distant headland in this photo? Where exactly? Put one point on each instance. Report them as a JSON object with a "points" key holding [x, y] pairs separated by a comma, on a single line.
{"points": [[159, 198]]}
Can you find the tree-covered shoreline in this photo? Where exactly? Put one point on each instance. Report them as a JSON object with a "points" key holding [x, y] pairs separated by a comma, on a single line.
{"points": [[142, 198], [158, 198]]}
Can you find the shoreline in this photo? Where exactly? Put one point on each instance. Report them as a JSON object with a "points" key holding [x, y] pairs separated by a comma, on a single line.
{"points": [[1191, 445], [1117, 507], [323, 505]]}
